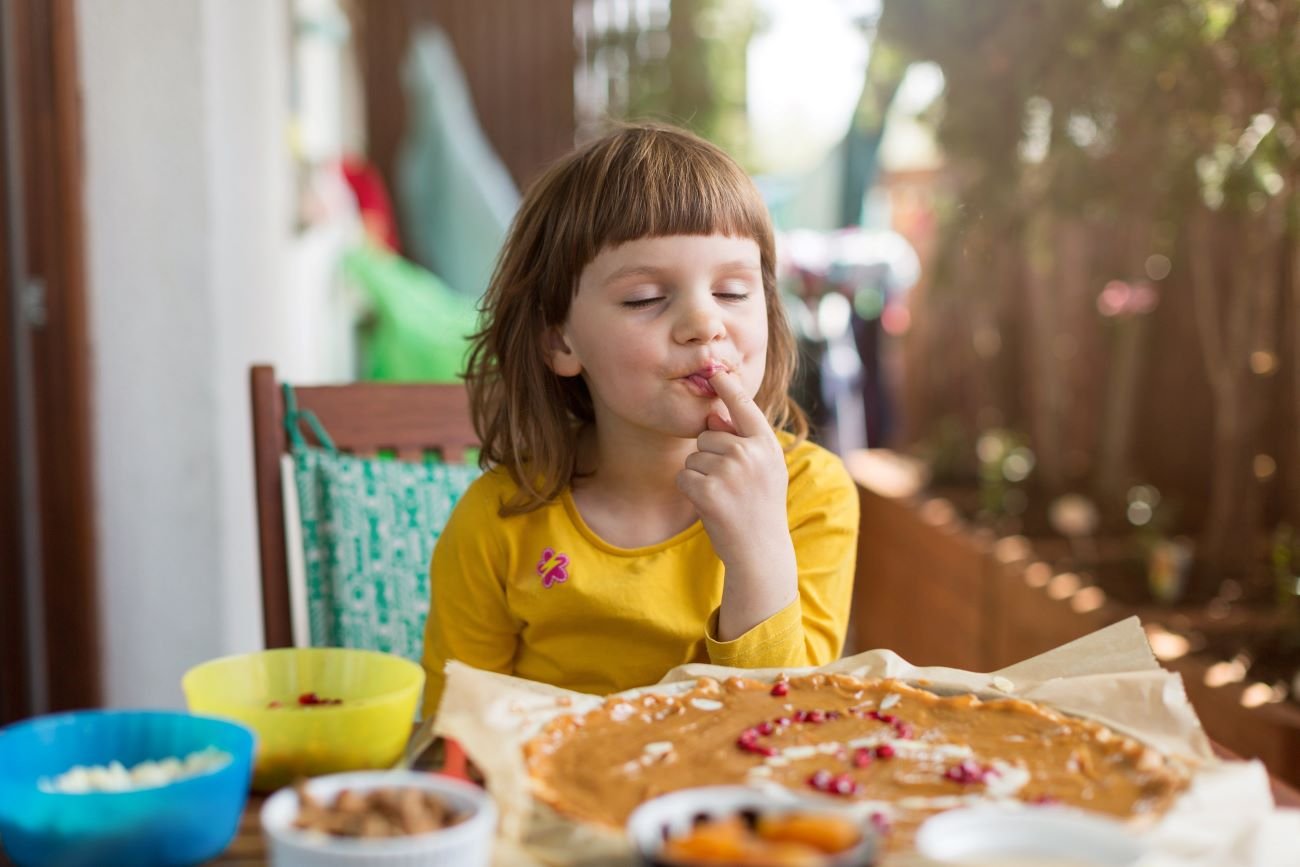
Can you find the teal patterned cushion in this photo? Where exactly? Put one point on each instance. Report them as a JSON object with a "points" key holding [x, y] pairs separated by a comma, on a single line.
{"points": [[368, 530]]}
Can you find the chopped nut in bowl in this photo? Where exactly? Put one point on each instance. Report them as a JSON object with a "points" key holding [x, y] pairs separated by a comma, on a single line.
{"points": [[389, 818], [717, 825]]}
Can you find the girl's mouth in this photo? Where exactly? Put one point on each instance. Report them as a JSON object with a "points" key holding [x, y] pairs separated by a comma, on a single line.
{"points": [[698, 381], [699, 384]]}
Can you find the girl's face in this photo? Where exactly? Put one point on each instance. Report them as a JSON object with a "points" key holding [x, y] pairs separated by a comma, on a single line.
{"points": [[654, 318]]}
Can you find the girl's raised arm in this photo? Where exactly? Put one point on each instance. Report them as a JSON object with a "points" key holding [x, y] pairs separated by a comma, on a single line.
{"points": [[737, 482]]}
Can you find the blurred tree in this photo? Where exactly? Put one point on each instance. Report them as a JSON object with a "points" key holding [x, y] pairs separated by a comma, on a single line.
{"points": [[886, 67], [707, 69], [683, 62], [1091, 140]]}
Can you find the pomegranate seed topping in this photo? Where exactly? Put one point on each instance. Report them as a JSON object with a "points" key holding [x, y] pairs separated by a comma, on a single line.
{"points": [[903, 730], [816, 716], [966, 773], [884, 751], [766, 729], [784, 721], [844, 785], [780, 688], [861, 757], [821, 780]]}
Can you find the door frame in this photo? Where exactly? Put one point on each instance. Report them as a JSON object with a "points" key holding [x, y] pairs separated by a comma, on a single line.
{"points": [[48, 550], [15, 679]]}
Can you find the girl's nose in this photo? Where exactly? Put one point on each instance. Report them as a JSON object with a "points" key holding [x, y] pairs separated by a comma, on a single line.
{"points": [[699, 323]]}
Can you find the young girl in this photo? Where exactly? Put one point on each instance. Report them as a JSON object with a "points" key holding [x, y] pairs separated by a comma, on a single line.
{"points": [[651, 498]]}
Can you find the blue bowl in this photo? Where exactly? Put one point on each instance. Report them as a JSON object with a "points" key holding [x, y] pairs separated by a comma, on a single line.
{"points": [[184, 822]]}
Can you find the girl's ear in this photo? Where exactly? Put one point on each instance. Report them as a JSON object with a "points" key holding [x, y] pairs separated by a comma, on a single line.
{"points": [[562, 360]]}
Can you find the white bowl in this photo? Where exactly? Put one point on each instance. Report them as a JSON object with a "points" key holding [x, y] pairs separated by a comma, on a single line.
{"points": [[674, 815], [1046, 836], [467, 844]]}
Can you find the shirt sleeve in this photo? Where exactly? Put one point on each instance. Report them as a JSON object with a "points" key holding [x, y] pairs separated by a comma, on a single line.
{"points": [[823, 506], [469, 616]]}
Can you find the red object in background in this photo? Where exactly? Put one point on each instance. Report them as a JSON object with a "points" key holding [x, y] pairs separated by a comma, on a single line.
{"points": [[455, 762], [372, 201]]}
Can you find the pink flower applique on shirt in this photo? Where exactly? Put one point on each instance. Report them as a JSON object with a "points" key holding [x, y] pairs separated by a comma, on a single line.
{"points": [[553, 567]]}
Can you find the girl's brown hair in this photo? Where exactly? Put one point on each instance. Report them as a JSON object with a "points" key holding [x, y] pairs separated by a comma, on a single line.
{"points": [[639, 181]]}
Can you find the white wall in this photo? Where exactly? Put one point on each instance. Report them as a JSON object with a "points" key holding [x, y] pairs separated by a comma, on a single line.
{"points": [[190, 249]]}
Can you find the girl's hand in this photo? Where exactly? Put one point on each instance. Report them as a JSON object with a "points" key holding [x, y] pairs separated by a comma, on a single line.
{"points": [[737, 482]]}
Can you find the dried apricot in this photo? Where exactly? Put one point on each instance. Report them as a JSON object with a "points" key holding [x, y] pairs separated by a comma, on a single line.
{"points": [[827, 834]]}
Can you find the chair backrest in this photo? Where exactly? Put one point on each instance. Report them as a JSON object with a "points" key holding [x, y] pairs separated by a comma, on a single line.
{"points": [[363, 418]]}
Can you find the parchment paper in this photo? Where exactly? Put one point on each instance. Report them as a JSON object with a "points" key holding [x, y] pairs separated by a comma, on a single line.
{"points": [[1226, 817]]}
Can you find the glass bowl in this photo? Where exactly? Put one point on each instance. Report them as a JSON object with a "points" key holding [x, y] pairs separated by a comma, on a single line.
{"points": [[653, 823]]}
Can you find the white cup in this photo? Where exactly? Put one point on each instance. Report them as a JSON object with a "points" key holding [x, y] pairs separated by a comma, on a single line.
{"points": [[1039, 836]]}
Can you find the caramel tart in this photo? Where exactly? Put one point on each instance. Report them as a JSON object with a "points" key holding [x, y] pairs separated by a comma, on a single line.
{"points": [[900, 752]]}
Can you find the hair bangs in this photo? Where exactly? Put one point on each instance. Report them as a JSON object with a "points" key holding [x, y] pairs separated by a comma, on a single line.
{"points": [[656, 183]]}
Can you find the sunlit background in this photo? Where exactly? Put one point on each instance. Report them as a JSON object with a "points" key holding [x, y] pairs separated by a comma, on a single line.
{"points": [[1043, 259]]}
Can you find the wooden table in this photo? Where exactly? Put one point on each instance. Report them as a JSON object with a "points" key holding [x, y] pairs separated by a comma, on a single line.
{"points": [[249, 847]]}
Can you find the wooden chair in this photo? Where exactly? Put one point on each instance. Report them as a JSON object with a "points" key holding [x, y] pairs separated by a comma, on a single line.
{"points": [[363, 418]]}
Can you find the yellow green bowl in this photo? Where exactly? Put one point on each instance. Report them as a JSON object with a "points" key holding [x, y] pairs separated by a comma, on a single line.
{"points": [[368, 729]]}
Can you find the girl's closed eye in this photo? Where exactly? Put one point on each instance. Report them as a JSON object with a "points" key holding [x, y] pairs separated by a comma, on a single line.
{"points": [[733, 291], [642, 303]]}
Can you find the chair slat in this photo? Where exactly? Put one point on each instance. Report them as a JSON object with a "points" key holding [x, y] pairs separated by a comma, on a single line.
{"points": [[386, 415]]}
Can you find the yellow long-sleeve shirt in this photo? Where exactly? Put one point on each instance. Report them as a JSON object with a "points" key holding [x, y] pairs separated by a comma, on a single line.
{"points": [[542, 597]]}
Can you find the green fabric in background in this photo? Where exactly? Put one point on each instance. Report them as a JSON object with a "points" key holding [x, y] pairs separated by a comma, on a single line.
{"points": [[369, 526], [420, 328], [455, 197]]}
